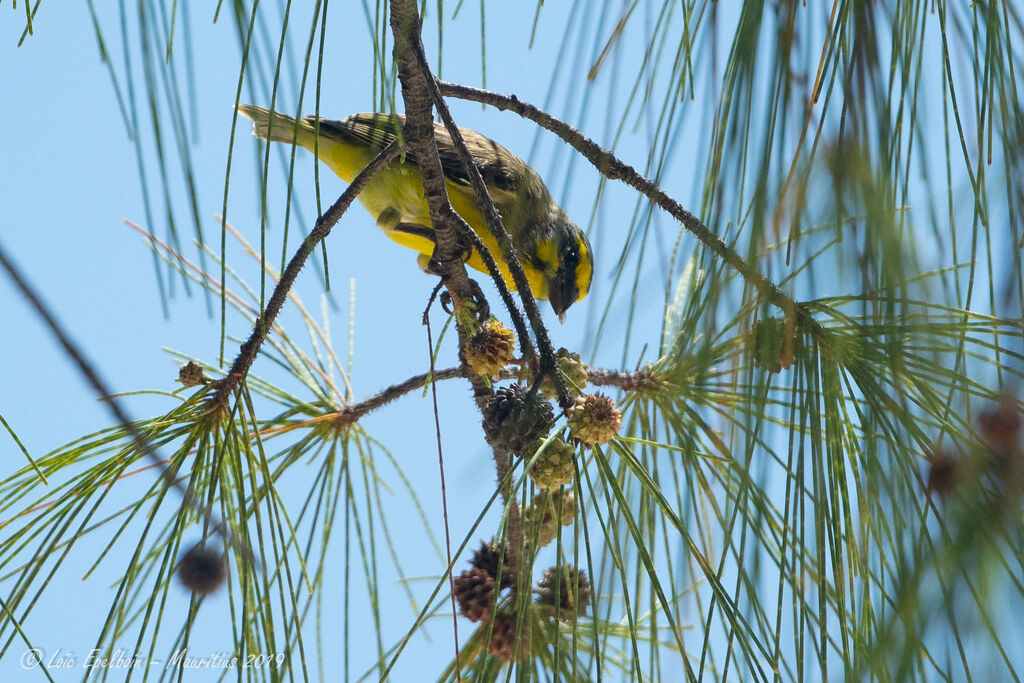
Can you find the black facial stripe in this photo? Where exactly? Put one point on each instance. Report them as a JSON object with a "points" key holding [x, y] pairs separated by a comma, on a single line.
{"points": [[538, 263], [570, 256], [572, 292], [566, 282]]}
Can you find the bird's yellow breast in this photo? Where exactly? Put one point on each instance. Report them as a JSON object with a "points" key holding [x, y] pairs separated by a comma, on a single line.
{"points": [[400, 187]]}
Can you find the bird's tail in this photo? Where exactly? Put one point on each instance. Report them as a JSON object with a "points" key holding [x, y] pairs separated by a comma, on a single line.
{"points": [[282, 128]]}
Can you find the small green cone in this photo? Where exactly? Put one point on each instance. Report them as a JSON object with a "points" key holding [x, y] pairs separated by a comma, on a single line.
{"points": [[555, 465], [594, 419]]}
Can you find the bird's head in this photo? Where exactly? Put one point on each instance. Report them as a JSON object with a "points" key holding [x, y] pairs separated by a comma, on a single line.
{"points": [[564, 257]]}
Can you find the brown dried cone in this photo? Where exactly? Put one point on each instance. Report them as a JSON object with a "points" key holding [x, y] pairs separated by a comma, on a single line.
{"points": [[540, 515], [566, 587], [514, 417], [474, 591], [594, 419], [191, 374], [504, 644], [201, 569], [487, 557], [491, 348], [554, 467], [571, 366], [1000, 426], [943, 473]]}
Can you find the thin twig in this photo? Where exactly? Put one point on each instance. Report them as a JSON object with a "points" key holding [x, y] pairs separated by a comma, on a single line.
{"points": [[506, 297], [250, 348], [640, 381], [613, 168], [444, 488], [352, 413]]}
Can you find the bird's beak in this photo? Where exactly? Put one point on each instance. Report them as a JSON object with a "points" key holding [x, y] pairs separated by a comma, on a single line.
{"points": [[558, 303]]}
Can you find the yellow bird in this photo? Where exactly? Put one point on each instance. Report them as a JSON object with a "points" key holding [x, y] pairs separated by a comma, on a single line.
{"points": [[554, 253]]}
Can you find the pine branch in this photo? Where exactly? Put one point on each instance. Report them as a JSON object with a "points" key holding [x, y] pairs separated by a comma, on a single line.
{"points": [[351, 414], [613, 168], [419, 133], [251, 347], [640, 382], [484, 201]]}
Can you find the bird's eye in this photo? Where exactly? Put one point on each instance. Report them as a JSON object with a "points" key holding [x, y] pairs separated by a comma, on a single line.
{"points": [[570, 258]]}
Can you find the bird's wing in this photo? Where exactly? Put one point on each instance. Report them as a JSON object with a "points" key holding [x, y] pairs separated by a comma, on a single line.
{"points": [[375, 131], [502, 171]]}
